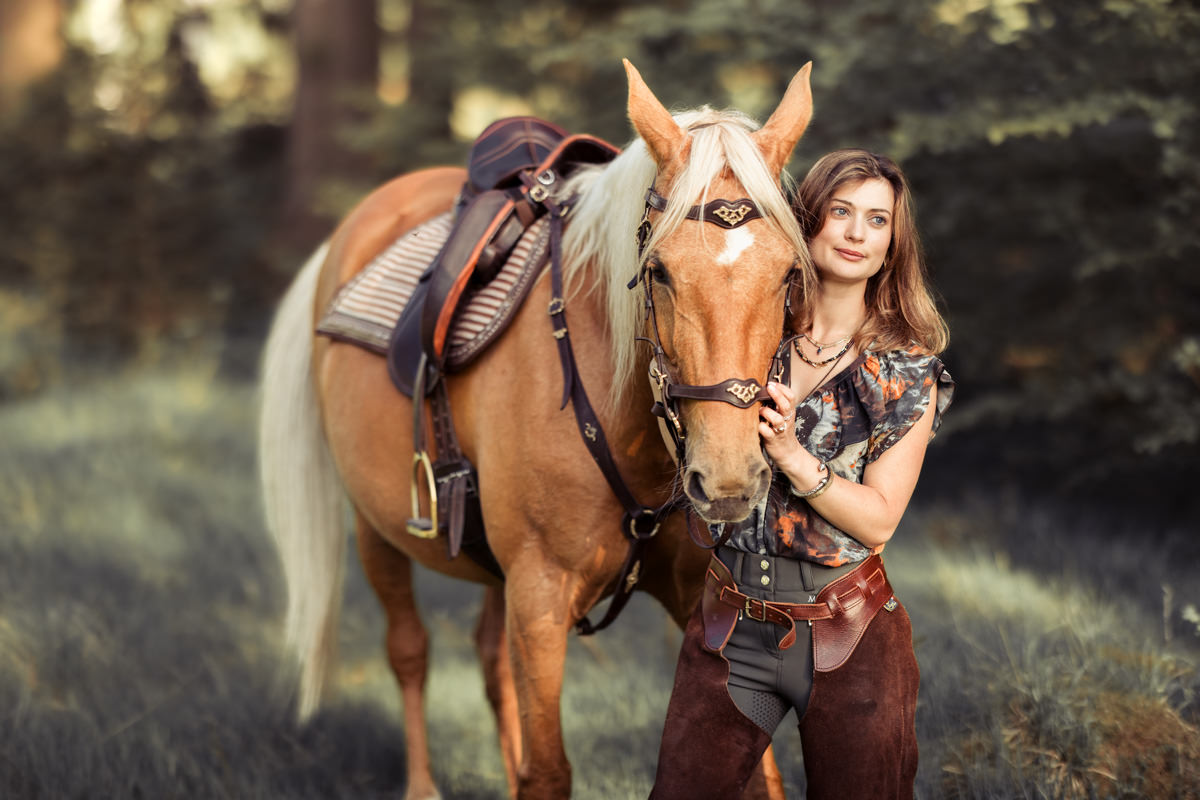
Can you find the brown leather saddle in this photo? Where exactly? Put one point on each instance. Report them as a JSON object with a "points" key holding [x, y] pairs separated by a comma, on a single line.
{"points": [[509, 171], [515, 168]]}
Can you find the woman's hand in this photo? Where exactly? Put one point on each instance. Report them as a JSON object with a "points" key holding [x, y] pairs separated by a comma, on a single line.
{"points": [[776, 426]]}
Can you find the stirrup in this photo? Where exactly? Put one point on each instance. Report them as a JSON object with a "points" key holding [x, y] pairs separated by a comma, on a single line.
{"points": [[419, 526]]}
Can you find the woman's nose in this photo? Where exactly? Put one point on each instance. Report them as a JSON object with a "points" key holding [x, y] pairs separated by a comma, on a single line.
{"points": [[854, 230]]}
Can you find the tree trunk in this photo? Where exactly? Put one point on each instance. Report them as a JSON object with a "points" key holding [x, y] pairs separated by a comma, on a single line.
{"points": [[337, 54], [31, 44], [431, 72]]}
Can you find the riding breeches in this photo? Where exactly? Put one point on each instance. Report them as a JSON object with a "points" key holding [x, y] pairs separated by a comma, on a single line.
{"points": [[856, 720]]}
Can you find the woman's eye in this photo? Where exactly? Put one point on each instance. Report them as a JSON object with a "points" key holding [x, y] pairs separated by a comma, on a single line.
{"points": [[878, 220], [837, 211]]}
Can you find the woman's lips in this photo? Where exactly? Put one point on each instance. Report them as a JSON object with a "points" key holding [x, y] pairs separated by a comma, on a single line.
{"points": [[853, 255]]}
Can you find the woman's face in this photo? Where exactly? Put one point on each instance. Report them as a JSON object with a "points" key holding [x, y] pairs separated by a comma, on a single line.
{"points": [[855, 233]]}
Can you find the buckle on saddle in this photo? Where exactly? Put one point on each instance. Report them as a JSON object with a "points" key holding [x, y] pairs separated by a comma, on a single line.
{"points": [[541, 190], [749, 610]]}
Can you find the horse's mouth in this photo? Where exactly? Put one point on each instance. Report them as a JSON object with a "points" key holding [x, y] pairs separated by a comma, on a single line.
{"points": [[731, 510], [727, 507]]}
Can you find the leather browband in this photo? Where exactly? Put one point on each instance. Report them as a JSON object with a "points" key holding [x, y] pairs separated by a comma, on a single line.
{"points": [[719, 212], [740, 393]]}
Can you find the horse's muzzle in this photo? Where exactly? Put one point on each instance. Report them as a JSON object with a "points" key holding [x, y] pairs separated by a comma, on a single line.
{"points": [[725, 502]]}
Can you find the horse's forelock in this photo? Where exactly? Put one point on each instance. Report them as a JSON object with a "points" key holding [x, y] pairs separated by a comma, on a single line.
{"points": [[612, 200]]}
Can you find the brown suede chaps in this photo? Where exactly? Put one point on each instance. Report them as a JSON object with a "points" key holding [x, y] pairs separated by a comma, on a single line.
{"points": [[857, 730]]}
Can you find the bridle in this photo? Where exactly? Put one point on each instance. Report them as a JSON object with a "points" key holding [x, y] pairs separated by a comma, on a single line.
{"points": [[740, 392]]}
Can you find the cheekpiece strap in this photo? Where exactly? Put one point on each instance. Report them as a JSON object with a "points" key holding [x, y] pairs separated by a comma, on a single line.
{"points": [[719, 212]]}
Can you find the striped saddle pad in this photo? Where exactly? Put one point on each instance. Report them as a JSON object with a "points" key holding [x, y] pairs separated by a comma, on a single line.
{"points": [[366, 309]]}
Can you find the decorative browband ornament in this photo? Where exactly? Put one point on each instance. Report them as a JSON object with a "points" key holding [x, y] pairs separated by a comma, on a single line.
{"points": [[719, 212], [742, 393], [723, 213], [746, 392]]}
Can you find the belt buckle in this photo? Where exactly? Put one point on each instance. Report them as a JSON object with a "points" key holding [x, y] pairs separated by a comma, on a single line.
{"points": [[750, 613]]}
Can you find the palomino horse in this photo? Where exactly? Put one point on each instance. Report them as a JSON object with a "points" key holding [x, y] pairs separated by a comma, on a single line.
{"points": [[333, 425]]}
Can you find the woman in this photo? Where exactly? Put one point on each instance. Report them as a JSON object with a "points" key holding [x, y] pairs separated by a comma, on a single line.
{"points": [[797, 611]]}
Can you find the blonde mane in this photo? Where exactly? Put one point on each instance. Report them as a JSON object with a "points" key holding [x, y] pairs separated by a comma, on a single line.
{"points": [[599, 248]]}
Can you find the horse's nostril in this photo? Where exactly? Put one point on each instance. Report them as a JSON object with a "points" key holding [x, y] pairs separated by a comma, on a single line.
{"points": [[695, 487]]}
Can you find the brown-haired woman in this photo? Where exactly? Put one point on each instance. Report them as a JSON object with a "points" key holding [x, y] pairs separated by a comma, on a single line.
{"points": [[797, 611]]}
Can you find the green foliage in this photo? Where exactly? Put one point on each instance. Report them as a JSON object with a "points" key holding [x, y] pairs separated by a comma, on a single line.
{"points": [[1052, 145], [125, 243]]}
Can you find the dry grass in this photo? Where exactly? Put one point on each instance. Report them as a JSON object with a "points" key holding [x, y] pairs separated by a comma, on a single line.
{"points": [[139, 604]]}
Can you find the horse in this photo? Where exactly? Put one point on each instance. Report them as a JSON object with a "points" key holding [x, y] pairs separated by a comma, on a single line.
{"points": [[333, 427]]}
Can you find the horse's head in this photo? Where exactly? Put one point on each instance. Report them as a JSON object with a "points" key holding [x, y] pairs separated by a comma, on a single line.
{"points": [[721, 251]]}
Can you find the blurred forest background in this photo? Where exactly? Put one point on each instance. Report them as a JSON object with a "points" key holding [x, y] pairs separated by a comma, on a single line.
{"points": [[165, 165]]}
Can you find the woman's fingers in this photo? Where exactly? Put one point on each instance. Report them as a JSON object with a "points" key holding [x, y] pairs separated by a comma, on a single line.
{"points": [[778, 418], [785, 401]]}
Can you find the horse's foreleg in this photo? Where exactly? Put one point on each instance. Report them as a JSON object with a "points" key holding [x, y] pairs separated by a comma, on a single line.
{"points": [[492, 645], [537, 624], [767, 781], [390, 574]]}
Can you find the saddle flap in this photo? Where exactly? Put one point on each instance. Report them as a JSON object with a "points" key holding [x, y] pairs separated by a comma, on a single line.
{"points": [[476, 230]]}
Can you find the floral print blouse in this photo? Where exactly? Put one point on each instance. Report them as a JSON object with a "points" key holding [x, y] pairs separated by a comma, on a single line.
{"points": [[848, 422]]}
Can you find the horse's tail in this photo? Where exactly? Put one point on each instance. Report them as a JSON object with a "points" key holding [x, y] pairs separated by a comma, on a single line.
{"points": [[302, 493]]}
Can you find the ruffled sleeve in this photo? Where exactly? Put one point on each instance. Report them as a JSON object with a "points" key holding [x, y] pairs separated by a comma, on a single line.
{"points": [[893, 389]]}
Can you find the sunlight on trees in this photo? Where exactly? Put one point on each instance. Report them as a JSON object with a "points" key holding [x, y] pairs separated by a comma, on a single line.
{"points": [[1052, 147]]}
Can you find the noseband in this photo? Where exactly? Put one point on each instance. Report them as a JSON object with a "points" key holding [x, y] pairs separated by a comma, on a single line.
{"points": [[740, 392]]}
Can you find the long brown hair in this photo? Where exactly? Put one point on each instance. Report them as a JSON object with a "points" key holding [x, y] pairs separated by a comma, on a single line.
{"points": [[900, 306]]}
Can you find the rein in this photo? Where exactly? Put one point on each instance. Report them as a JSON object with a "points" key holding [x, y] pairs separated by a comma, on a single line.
{"points": [[640, 523]]}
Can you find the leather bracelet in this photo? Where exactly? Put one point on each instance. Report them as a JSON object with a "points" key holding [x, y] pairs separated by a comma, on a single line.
{"points": [[821, 486]]}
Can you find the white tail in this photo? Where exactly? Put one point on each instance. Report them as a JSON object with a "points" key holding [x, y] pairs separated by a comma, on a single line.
{"points": [[302, 492]]}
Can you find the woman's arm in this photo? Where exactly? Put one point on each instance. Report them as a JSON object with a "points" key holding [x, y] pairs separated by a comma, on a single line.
{"points": [[869, 511]]}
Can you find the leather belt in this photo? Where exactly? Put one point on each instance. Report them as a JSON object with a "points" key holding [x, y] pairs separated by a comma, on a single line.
{"points": [[840, 615]]}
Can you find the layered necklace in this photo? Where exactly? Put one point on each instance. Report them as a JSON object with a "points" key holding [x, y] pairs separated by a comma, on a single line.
{"points": [[843, 344]]}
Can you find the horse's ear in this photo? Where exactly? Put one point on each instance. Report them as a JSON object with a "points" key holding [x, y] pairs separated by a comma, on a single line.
{"points": [[778, 137], [667, 142]]}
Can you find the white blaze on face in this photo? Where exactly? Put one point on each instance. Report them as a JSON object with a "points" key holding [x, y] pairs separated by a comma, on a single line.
{"points": [[737, 241]]}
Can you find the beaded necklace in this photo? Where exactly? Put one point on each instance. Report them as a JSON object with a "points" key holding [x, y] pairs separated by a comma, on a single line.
{"points": [[830, 360], [844, 342]]}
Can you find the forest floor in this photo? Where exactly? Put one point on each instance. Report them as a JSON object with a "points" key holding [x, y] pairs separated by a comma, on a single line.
{"points": [[140, 606]]}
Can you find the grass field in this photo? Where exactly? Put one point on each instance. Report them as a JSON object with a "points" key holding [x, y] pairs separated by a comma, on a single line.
{"points": [[139, 647]]}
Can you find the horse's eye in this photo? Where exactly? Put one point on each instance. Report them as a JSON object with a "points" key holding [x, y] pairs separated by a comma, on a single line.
{"points": [[658, 273]]}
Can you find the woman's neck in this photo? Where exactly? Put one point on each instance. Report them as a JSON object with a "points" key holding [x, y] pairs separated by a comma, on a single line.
{"points": [[839, 311]]}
